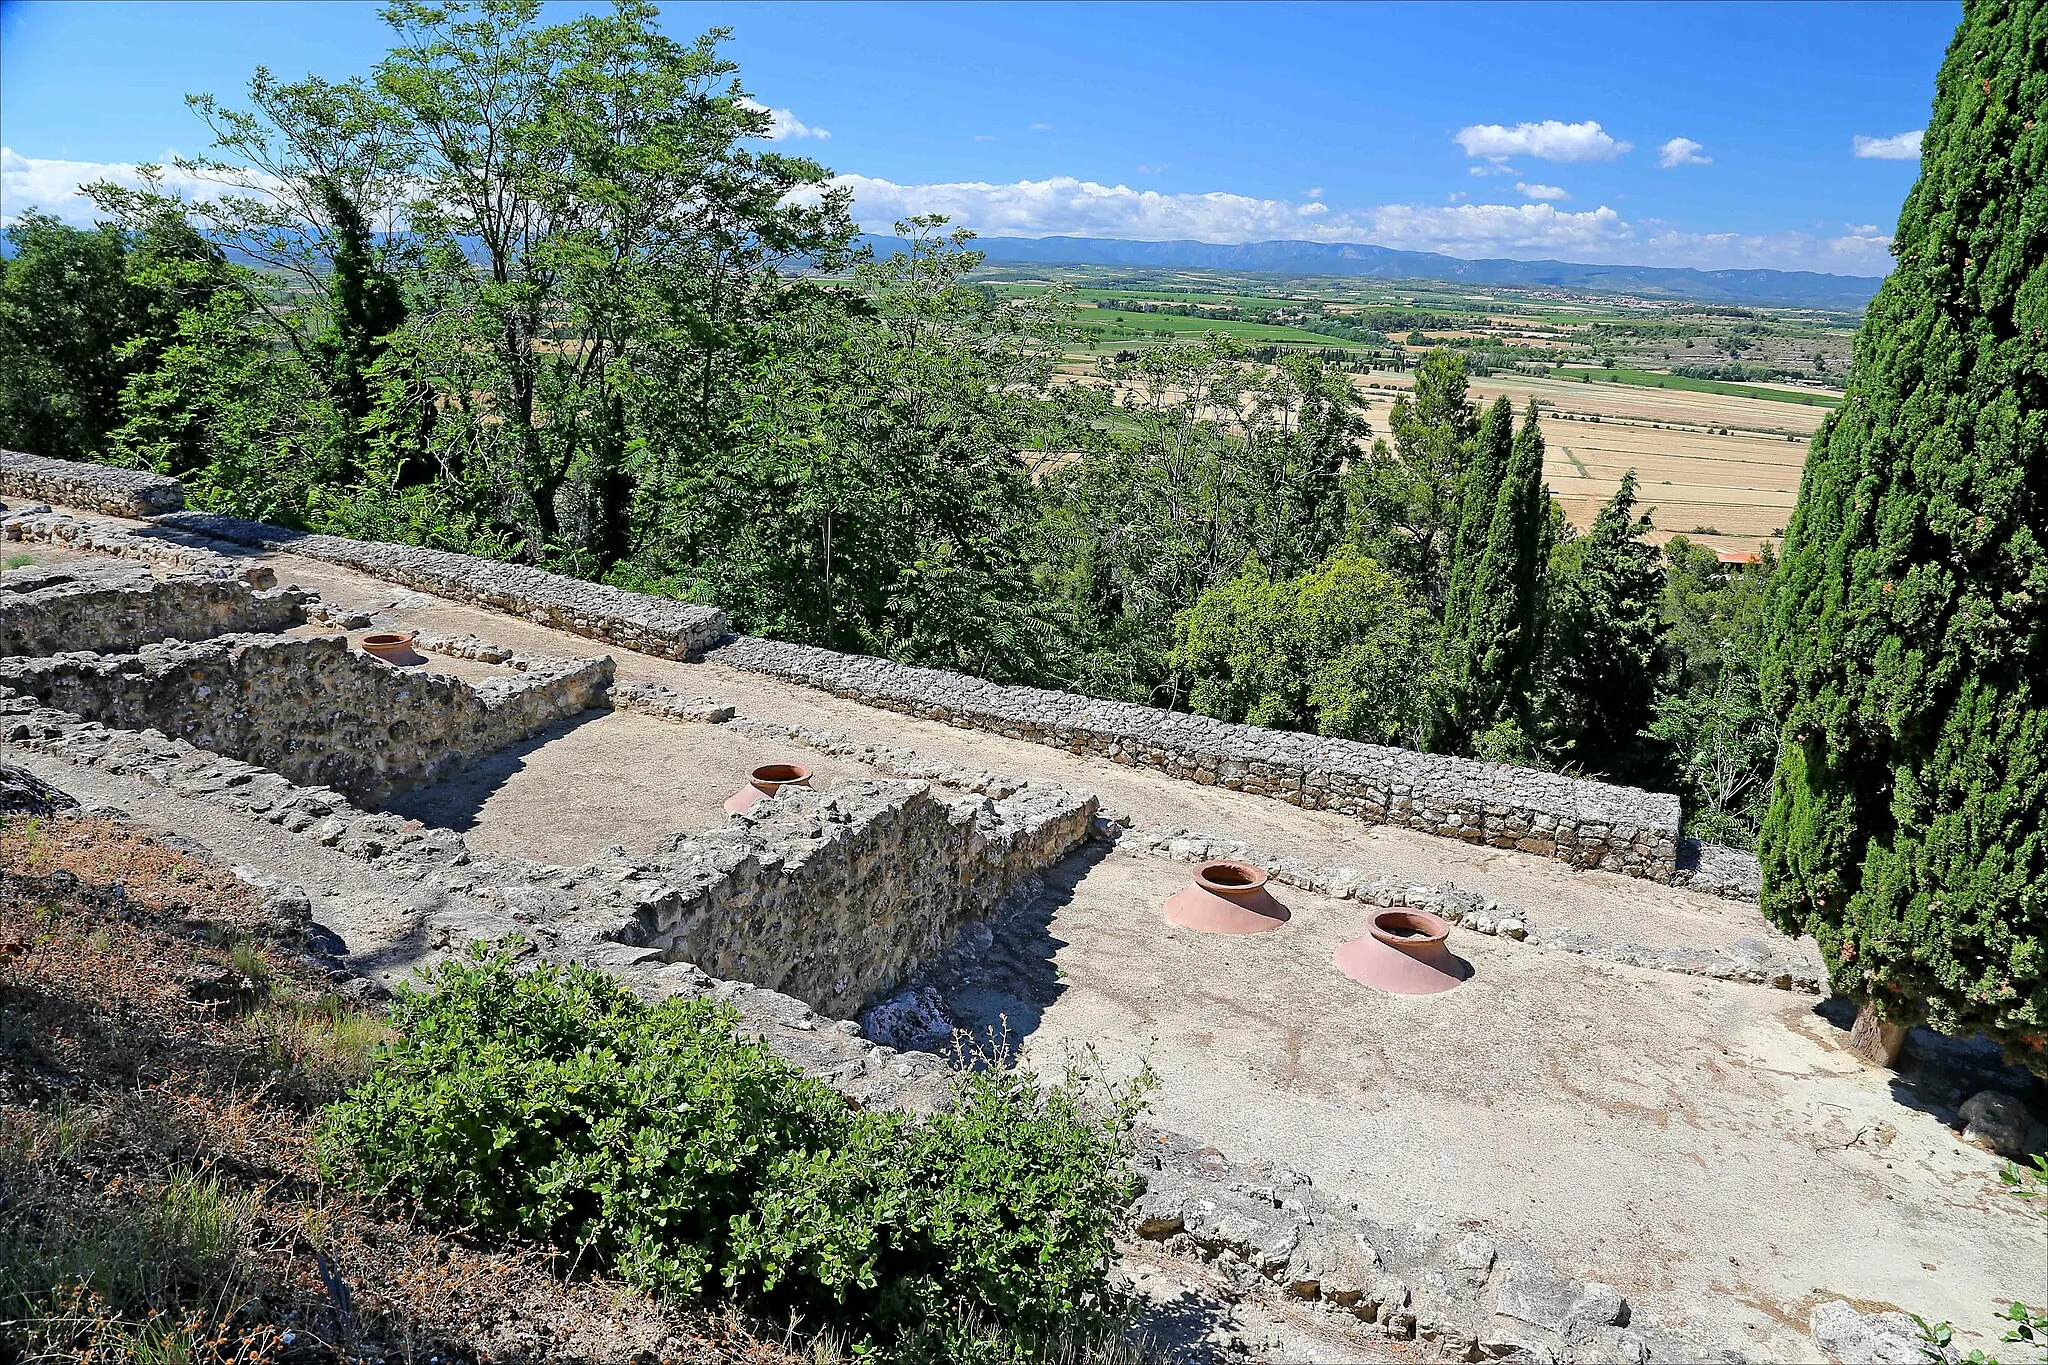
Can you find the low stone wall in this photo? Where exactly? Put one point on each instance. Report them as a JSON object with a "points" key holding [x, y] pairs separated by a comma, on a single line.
{"points": [[93, 487], [315, 710], [836, 896], [109, 538], [1584, 824], [60, 608], [631, 620]]}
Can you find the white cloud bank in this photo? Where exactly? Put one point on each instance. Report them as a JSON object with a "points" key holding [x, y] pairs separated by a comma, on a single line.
{"points": [[1529, 191], [1682, 151], [31, 182], [1065, 206], [1550, 140], [1897, 147], [783, 124]]}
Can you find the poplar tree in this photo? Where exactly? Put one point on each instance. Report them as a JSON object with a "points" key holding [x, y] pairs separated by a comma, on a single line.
{"points": [[1908, 659]]}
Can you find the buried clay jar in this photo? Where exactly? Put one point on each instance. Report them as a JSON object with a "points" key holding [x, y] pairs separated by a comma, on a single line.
{"points": [[1404, 952], [393, 647], [1227, 897], [766, 780]]}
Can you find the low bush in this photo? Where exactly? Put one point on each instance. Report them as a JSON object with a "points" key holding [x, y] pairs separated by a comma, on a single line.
{"points": [[554, 1105]]}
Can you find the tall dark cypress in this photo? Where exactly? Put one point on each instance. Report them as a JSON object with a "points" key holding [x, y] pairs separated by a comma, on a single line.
{"points": [[1495, 663], [1479, 485], [367, 306], [1908, 659]]}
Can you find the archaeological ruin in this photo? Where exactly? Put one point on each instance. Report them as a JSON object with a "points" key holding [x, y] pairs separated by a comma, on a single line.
{"points": [[1633, 1131]]}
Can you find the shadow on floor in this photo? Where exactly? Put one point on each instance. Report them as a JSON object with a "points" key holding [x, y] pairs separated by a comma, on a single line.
{"points": [[1937, 1073], [456, 801], [997, 993]]}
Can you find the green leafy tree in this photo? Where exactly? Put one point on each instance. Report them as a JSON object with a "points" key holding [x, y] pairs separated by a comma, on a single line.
{"points": [[66, 308], [1908, 827], [1604, 645], [1194, 457], [1405, 497], [1723, 741], [1342, 650]]}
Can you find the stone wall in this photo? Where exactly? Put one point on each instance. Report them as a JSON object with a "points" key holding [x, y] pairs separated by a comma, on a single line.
{"points": [[834, 897], [315, 710], [93, 487], [631, 620], [167, 550], [117, 607], [1584, 824]]}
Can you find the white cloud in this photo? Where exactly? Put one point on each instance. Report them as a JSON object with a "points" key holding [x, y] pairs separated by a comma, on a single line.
{"points": [[1550, 140], [1495, 165], [1682, 151], [1315, 193], [1529, 191], [1041, 127], [984, 137], [1152, 170], [1897, 147], [783, 124], [29, 182], [1064, 206]]}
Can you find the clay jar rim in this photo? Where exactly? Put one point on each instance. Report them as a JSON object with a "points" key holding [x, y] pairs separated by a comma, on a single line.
{"points": [[772, 777], [388, 639], [1424, 929], [1228, 877]]}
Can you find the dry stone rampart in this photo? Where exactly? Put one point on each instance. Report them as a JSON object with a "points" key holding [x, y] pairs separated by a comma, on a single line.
{"points": [[55, 609], [632, 620], [1584, 824], [93, 487], [313, 709]]}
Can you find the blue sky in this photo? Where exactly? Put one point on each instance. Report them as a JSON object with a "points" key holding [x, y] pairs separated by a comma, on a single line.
{"points": [[1715, 135]]}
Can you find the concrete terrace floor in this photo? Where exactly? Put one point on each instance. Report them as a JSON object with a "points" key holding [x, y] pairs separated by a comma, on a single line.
{"points": [[1709, 1148]]}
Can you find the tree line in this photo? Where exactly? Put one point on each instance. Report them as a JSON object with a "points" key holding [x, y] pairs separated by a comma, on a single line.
{"points": [[536, 291]]}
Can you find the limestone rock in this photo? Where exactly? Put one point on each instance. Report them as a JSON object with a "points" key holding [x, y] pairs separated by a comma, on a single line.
{"points": [[1865, 1338]]}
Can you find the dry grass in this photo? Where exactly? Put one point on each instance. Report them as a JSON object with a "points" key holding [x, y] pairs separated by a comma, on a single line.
{"points": [[158, 1200]]}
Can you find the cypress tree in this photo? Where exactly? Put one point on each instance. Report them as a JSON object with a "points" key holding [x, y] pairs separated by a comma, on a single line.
{"points": [[1908, 657], [1478, 495], [1494, 654], [1605, 643], [367, 306]]}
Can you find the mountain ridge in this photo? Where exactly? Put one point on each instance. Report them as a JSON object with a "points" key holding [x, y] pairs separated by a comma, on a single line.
{"points": [[1769, 288]]}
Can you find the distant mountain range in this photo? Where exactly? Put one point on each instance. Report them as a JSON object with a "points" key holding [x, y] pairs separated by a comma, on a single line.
{"points": [[1766, 288]]}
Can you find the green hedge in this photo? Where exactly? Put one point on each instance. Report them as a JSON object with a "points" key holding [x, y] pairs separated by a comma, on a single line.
{"points": [[554, 1106]]}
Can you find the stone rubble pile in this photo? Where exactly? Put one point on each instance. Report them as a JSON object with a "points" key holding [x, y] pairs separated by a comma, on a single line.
{"points": [[53, 609]]}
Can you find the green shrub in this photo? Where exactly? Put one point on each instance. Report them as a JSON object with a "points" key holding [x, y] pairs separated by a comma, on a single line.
{"points": [[553, 1105]]}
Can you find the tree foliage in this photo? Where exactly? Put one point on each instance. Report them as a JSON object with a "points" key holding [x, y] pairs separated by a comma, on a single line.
{"points": [[1908, 828], [1341, 650]]}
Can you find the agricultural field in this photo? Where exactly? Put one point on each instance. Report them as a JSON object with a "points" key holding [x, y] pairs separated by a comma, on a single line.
{"points": [[1717, 459], [1719, 468]]}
